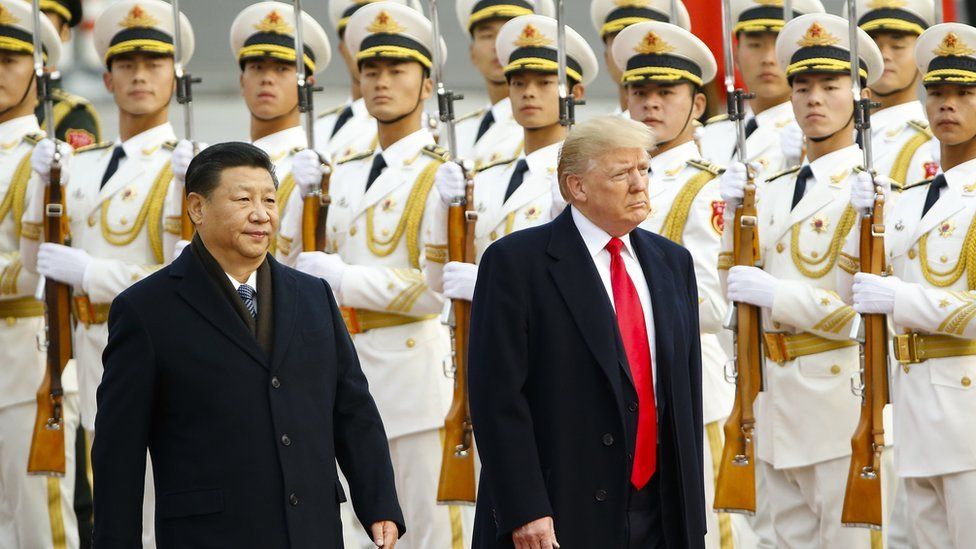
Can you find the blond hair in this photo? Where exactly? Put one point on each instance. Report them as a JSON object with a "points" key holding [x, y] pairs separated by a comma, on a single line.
{"points": [[595, 138]]}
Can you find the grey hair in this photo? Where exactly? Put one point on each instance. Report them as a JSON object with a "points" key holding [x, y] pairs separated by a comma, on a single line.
{"points": [[596, 137]]}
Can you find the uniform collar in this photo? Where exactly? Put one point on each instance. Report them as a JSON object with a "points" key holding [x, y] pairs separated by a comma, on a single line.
{"points": [[359, 107], [147, 141], [961, 176], [773, 115], [502, 110], [897, 115], [19, 127], [406, 148], [282, 142], [594, 237], [670, 159], [840, 162], [545, 159]]}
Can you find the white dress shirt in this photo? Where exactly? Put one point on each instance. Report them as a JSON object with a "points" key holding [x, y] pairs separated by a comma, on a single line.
{"points": [[251, 281], [596, 240]]}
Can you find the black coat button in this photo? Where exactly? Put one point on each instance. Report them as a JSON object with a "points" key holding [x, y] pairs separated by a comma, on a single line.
{"points": [[293, 499], [632, 406], [608, 439], [601, 495], [275, 383], [286, 440]]}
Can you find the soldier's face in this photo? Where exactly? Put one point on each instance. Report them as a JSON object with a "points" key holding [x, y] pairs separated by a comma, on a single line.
{"points": [[613, 192], [615, 72], [240, 218], [535, 98], [951, 110], [483, 54], [822, 103], [665, 108], [141, 84], [393, 88], [16, 80], [755, 56], [898, 51], [268, 87]]}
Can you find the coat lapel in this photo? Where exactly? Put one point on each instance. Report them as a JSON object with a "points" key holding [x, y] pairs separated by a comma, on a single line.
{"points": [[285, 302], [819, 196], [390, 179], [130, 171], [202, 294], [948, 204]]}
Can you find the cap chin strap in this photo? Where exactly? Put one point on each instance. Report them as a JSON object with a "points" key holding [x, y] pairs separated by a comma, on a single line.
{"points": [[685, 126], [826, 137], [22, 99], [416, 106], [899, 90]]}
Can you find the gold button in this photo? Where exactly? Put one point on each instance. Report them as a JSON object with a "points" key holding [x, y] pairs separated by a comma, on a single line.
{"points": [[411, 343], [11, 321], [135, 277], [911, 254], [352, 231], [385, 232], [779, 247], [966, 382], [905, 367], [814, 255], [835, 369], [944, 259], [776, 325], [493, 235], [91, 220]]}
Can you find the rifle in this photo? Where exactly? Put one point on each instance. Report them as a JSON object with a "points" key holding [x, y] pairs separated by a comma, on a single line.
{"points": [[567, 103], [315, 207], [735, 491], [184, 96], [862, 499], [457, 483], [47, 451]]}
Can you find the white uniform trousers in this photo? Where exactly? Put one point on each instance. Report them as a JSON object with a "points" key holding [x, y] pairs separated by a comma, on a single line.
{"points": [[36, 512], [942, 509]]}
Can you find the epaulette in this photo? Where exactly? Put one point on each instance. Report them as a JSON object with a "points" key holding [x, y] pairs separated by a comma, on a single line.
{"points": [[170, 145], [295, 150], [706, 166], [919, 126], [333, 110], [922, 183], [354, 156], [33, 138], [787, 171], [717, 118], [69, 98], [501, 162], [472, 114], [96, 146], [437, 152]]}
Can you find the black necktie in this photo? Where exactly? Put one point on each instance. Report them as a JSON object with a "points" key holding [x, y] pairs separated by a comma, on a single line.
{"points": [[935, 190], [517, 176], [751, 126], [113, 165], [344, 117], [801, 184], [486, 121], [378, 166]]}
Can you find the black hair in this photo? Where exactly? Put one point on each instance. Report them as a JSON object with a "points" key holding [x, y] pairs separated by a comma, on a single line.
{"points": [[203, 174]]}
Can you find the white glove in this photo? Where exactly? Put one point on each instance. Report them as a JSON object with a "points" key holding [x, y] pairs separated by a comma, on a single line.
{"points": [[450, 182], [791, 143], [863, 190], [182, 156], [308, 168], [329, 267], [63, 263], [179, 246], [751, 285], [732, 185], [874, 294], [43, 157], [558, 202], [459, 279]]}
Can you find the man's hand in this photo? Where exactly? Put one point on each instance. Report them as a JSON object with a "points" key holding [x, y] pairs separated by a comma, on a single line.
{"points": [[751, 285], [538, 534], [864, 189], [791, 143], [459, 279], [182, 156], [308, 169], [63, 263], [385, 534], [732, 185], [43, 157], [873, 294], [331, 267]]}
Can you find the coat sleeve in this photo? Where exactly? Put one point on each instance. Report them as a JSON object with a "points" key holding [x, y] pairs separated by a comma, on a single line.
{"points": [[498, 371], [125, 403], [695, 364], [935, 310], [812, 309]]}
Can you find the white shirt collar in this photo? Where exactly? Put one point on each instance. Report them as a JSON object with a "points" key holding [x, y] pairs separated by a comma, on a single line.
{"points": [[773, 115], [594, 237], [282, 142], [961, 176], [359, 107], [502, 110], [832, 163], [147, 140], [406, 148], [20, 126], [542, 161], [251, 281], [897, 115], [671, 158]]}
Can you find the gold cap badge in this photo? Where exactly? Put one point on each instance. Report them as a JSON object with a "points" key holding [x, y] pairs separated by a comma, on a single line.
{"points": [[653, 44], [138, 18], [274, 23], [385, 24], [817, 36], [532, 38], [952, 45]]}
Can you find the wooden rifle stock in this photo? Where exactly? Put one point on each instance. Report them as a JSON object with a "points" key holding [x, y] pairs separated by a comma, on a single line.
{"points": [[735, 491], [862, 499], [315, 210], [47, 451], [457, 482]]}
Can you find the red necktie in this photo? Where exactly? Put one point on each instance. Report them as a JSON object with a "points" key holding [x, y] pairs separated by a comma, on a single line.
{"points": [[633, 331]]}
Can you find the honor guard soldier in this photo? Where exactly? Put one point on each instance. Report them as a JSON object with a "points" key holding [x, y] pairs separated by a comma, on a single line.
{"points": [[75, 119], [612, 16], [490, 134], [348, 128], [375, 235], [664, 68], [515, 193], [929, 295], [769, 115], [37, 511], [262, 38], [900, 136], [117, 192], [807, 411]]}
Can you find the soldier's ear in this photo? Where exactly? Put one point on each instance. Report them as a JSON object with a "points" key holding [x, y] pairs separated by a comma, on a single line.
{"points": [[65, 33], [107, 79], [699, 105], [579, 91]]}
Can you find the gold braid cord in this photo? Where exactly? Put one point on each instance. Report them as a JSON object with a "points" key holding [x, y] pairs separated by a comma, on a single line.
{"points": [[17, 193], [413, 214], [812, 267], [284, 191], [674, 223], [151, 208], [967, 262], [899, 170]]}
